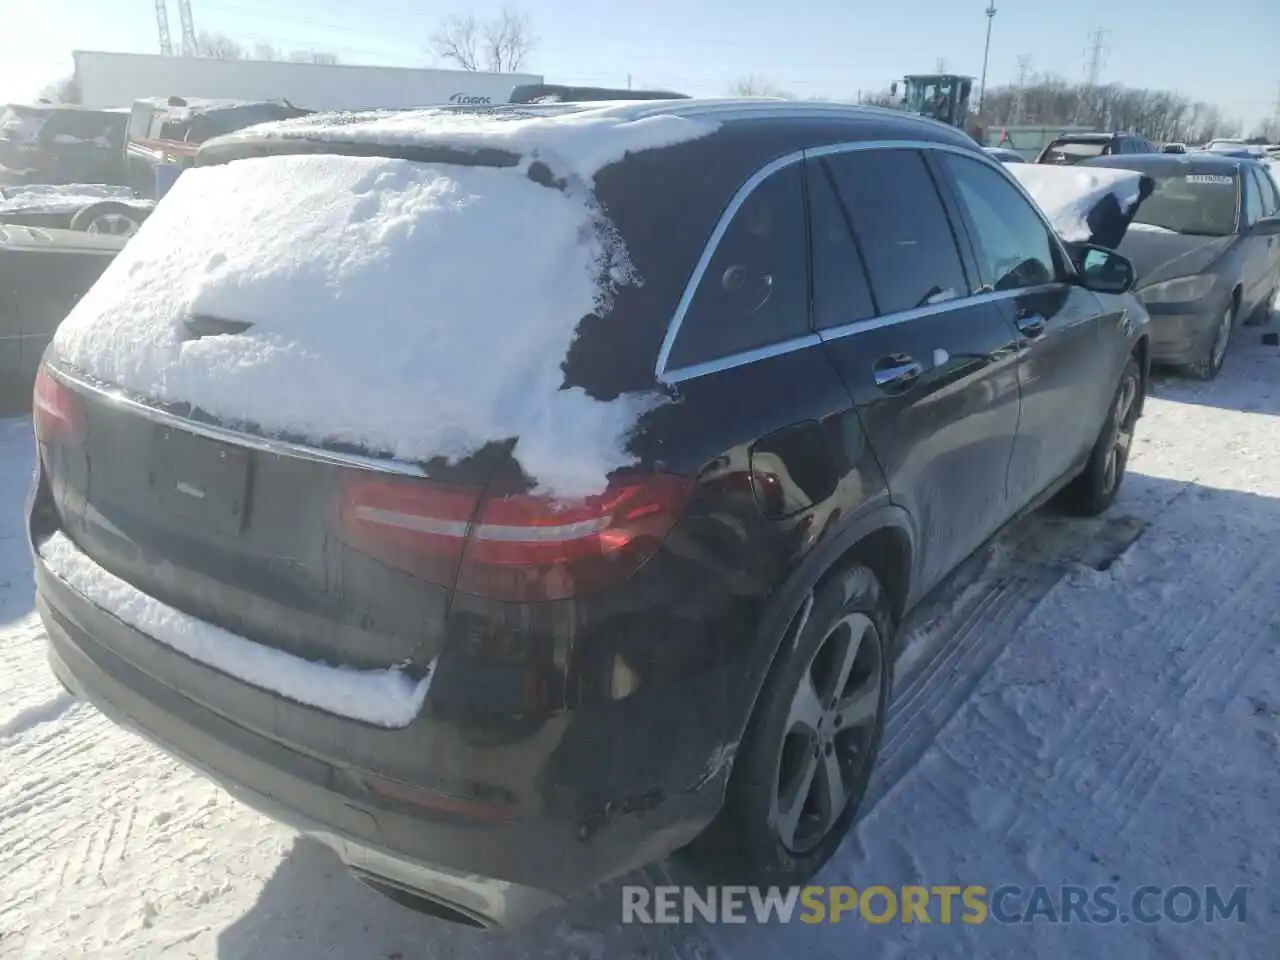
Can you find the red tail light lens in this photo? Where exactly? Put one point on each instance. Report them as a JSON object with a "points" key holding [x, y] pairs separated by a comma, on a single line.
{"points": [[414, 525], [57, 411], [520, 548]]}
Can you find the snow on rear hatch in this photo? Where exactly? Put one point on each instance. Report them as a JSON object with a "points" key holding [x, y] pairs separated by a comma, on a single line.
{"points": [[415, 310]]}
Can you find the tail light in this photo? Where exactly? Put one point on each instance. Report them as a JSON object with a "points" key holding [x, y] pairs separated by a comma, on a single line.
{"points": [[519, 548], [57, 410]]}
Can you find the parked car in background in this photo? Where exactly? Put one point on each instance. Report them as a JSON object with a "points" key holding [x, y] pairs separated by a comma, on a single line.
{"points": [[1005, 155], [1235, 148], [1175, 147], [492, 654], [1075, 147], [79, 206], [43, 274], [165, 133], [62, 143], [1206, 249]]}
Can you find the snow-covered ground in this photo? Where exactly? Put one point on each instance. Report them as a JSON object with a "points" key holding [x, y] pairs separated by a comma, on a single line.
{"points": [[1054, 723]]}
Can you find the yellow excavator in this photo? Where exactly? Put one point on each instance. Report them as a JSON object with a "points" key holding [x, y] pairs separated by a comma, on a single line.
{"points": [[943, 97]]}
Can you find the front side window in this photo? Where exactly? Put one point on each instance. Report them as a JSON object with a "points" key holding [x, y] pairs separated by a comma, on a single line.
{"points": [[755, 291], [1252, 202], [901, 227], [1012, 243], [1267, 193]]}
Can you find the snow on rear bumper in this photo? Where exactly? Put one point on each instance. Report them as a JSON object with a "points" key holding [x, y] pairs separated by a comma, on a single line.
{"points": [[386, 698]]}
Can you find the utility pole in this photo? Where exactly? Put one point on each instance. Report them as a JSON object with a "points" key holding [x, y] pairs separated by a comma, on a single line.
{"points": [[986, 53], [1024, 72], [942, 65], [162, 24]]}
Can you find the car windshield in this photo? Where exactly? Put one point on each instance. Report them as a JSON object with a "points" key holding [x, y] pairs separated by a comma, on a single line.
{"points": [[1073, 151], [1200, 204]]}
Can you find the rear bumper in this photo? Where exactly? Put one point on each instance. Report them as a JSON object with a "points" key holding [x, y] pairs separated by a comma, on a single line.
{"points": [[493, 872]]}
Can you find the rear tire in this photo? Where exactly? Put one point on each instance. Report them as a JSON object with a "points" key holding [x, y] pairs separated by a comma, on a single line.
{"points": [[805, 761], [1262, 313], [1095, 489]]}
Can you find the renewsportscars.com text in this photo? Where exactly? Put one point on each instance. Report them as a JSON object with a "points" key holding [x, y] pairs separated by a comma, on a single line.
{"points": [[943, 904]]}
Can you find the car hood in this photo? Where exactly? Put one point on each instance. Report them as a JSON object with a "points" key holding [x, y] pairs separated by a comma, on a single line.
{"points": [[1159, 255], [1086, 204]]}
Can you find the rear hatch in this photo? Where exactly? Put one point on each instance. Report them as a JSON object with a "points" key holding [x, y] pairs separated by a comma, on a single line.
{"points": [[294, 387]]}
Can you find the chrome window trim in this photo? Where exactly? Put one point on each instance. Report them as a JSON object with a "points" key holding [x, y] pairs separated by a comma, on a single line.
{"points": [[689, 372], [268, 445]]}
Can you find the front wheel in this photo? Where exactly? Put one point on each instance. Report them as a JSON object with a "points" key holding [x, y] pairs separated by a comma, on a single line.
{"points": [[1210, 365], [109, 219], [806, 759], [1095, 489]]}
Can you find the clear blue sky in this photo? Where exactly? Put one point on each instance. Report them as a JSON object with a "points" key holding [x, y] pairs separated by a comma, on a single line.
{"points": [[1226, 52]]}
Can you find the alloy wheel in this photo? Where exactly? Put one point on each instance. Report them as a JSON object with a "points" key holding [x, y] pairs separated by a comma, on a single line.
{"points": [[829, 733], [113, 224], [1122, 434]]}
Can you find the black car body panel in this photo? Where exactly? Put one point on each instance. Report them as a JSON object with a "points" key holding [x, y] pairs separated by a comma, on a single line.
{"points": [[1244, 267], [564, 741]]}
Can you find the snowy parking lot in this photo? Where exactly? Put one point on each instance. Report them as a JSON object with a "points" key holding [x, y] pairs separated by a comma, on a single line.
{"points": [[1084, 703]]}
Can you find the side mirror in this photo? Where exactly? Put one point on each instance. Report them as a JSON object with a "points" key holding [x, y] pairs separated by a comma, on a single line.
{"points": [[1102, 270], [1266, 227]]}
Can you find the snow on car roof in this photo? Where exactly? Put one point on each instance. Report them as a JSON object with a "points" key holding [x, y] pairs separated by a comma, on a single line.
{"points": [[412, 309], [1068, 194], [571, 138], [69, 197]]}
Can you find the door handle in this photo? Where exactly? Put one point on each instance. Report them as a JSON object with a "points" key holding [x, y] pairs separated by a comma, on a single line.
{"points": [[896, 370], [1031, 325]]}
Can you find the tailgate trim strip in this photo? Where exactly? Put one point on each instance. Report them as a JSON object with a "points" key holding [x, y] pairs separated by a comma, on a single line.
{"points": [[268, 445]]}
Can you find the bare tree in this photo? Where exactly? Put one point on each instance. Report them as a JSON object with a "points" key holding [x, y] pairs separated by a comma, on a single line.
{"points": [[1157, 114], [500, 45], [457, 39], [264, 51], [754, 86], [508, 40], [218, 46], [66, 90], [313, 56]]}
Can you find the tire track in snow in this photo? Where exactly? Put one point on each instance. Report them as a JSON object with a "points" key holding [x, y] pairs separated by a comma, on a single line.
{"points": [[1093, 792]]}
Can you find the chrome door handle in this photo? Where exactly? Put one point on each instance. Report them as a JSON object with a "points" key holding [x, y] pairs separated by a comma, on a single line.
{"points": [[1031, 325], [897, 371]]}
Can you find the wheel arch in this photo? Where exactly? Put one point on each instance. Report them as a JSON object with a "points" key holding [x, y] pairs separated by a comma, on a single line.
{"points": [[884, 540]]}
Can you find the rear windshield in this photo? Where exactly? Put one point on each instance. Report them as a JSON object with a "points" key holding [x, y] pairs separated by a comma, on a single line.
{"points": [[1198, 204], [1073, 152]]}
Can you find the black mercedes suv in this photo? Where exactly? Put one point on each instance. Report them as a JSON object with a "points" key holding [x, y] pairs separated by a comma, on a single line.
{"points": [[864, 350]]}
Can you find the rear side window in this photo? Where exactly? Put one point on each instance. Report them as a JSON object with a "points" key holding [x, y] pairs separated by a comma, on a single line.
{"points": [[841, 293], [901, 226], [1012, 242], [755, 291]]}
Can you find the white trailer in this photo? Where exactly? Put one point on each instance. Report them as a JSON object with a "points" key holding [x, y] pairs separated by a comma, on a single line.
{"points": [[120, 79]]}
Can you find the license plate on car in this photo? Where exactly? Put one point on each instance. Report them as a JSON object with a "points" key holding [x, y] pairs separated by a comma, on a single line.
{"points": [[202, 481]]}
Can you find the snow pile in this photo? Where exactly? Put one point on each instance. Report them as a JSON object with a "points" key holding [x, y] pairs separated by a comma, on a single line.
{"points": [[66, 198], [387, 698], [570, 139], [1068, 194], [413, 310]]}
